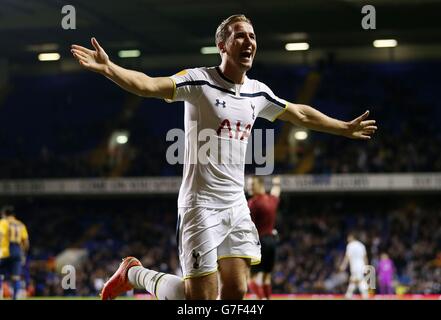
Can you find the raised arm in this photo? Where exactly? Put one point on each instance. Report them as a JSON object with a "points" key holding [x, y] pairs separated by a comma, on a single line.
{"points": [[308, 117], [133, 81]]}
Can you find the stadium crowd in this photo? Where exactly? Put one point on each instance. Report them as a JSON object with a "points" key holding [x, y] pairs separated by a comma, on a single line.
{"points": [[311, 245]]}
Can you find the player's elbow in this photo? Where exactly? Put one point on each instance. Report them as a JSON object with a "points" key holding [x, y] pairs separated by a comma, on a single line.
{"points": [[144, 86], [145, 90], [149, 90], [302, 115], [296, 115]]}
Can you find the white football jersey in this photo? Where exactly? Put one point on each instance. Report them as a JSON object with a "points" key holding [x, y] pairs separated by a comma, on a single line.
{"points": [[228, 110], [356, 251]]}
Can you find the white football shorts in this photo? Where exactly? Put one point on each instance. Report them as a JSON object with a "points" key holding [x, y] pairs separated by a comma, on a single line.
{"points": [[206, 235]]}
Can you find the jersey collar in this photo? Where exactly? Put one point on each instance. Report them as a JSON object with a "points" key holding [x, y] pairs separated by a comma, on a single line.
{"points": [[237, 87], [219, 72]]}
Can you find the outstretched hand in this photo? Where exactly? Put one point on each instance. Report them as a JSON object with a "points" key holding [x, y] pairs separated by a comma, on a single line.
{"points": [[359, 128], [96, 61]]}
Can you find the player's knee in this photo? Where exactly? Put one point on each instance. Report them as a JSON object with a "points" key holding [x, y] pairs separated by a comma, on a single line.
{"points": [[204, 288], [200, 294], [234, 290]]}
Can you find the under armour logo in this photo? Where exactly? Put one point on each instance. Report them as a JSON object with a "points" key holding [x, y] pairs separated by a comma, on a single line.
{"points": [[195, 256], [253, 107], [218, 103]]}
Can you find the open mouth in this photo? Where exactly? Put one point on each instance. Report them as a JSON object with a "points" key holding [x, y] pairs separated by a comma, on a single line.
{"points": [[246, 54]]}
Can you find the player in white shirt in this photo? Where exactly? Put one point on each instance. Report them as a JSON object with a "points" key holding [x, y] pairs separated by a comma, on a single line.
{"points": [[356, 257], [217, 239]]}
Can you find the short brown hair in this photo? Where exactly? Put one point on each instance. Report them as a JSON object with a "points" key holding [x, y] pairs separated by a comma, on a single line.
{"points": [[223, 32]]}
